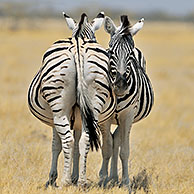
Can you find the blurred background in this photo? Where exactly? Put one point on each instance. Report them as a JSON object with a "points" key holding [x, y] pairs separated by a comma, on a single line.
{"points": [[162, 145], [154, 10]]}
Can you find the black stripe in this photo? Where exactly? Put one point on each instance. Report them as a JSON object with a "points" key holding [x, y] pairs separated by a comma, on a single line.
{"points": [[103, 85], [111, 103], [105, 94], [106, 61], [51, 88], [39, 85], [32, 108], [30, 104], [141, 99], [56, 111], [97, 50], [46, 95], [51, 59], [65, 132], [54, 66], [110, 114], [36, 92], [60, 125], [89, 41], [58, 80], [139, 55], [128, 104], [147, 100], [101, 98], [52, 51], [131, 91], [151, 96], [63, 41], [49, 77], [53, 99], [100, 66]]}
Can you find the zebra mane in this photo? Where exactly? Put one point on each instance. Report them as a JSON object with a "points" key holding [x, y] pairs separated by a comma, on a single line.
{"points": [[80, 25], [126, 25]]}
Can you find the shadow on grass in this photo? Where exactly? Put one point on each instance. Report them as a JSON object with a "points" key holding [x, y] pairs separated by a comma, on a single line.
{"points": [[141, 181]]}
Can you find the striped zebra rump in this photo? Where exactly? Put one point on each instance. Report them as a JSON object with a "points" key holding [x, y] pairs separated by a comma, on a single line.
{"points": [[97, 78], [145, 98], [51, 79]]}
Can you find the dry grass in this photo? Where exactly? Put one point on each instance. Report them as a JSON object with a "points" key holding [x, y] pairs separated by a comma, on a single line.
{"points": [[163, 144]]}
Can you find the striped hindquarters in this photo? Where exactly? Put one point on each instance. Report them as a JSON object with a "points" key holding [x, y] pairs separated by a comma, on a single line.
{"points": [[96, 72], [49, 80], [146, 98]]}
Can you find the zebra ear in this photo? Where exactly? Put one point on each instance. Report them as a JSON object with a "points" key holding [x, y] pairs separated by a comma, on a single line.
{"points": [[109, 26], [70, 22], [97, 22], [136, 27]]}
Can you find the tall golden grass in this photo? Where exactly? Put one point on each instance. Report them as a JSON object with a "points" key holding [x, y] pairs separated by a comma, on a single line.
{"points": [[163, 143]]}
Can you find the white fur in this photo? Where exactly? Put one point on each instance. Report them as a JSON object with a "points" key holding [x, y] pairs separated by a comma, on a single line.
{"points": [[136, 27], [70, 22]]}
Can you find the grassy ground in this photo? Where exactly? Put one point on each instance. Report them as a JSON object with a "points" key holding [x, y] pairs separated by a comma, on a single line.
{"points": [[162, 144]]}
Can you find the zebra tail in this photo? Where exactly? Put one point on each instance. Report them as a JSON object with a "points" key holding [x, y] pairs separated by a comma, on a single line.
{"points": [[88, 118], [89, 123]]}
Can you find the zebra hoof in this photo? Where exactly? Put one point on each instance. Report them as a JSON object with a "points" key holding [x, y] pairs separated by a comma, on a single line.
{"points": [[125, 183], [83, 185], [100, 183], [49, 183], [103, 182], [74, 180]]}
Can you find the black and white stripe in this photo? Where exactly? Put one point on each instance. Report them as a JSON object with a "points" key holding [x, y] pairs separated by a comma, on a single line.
{"points": [[74, 74], [132, 87]]}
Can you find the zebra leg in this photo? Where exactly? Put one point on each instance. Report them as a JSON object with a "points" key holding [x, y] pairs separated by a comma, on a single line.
{"points": [[84, 146], [76, 156], [114, 161], [125, 127], [56, 150], [63, 129], [106, 152]]}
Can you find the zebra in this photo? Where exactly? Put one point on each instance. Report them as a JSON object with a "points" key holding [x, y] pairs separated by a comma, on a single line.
{"points": [[72, 91], [132, 86]]}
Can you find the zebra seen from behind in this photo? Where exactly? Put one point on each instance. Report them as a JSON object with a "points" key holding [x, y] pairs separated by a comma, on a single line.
{"points": [[132, 87], [101, 90], [73, 79]]}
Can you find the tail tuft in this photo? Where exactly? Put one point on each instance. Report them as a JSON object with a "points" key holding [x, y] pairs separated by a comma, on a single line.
{"points": [[90, 124]]}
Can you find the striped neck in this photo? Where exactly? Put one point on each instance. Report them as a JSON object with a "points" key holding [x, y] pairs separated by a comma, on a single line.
{"points": [[84, 32]]}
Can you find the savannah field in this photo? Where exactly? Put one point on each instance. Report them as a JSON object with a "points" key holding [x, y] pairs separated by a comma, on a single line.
{"points": [[162, 145]]}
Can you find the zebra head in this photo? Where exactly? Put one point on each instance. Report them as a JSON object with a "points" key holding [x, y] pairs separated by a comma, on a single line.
{"points": [[84, 29], [121, 52]]}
